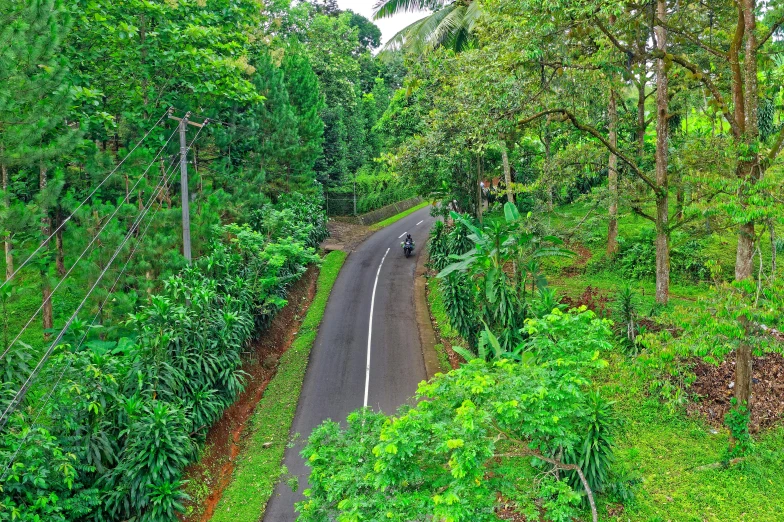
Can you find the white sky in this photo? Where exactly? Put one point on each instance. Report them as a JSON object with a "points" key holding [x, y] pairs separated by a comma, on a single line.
{"points": [[389, 26]]}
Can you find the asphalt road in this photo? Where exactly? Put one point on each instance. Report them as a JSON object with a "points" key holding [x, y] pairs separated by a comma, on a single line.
{"points": [[336, 380]]}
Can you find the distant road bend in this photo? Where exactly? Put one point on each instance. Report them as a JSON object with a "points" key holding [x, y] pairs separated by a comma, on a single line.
{"points": [[361, 359]]}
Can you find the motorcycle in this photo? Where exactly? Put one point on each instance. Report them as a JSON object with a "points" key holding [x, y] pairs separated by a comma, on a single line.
{"points": [[408, 248]]}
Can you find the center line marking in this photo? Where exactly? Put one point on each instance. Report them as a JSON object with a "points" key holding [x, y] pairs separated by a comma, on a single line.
{"points": [[370, 329], [420, 222], [401, 235]]}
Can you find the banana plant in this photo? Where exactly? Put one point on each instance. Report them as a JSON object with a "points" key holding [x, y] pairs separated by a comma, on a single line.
{"points": [[501, 248], [489, 348]]}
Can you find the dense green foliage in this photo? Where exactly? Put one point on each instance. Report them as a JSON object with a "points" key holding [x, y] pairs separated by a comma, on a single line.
{"points": [[501, 300], [117, 405], [649, 139], [482, 430], [258, 469], [625, 155], [130, 410]]}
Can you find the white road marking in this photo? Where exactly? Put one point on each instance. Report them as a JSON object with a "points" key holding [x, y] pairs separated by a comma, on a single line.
{"points": [[370, 329], [420, 222], [403, 234]]}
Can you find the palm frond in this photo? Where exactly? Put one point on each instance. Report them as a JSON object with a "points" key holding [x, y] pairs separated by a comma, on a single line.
{"points": [[421, 34], [465, 353], [387, 8], [449, 26], [472, 14]]}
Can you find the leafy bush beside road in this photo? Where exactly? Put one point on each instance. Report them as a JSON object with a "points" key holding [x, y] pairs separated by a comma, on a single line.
{"points": [[131, 410]]}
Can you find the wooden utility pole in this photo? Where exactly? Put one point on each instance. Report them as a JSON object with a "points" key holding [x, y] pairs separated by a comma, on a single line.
{"points": [[184, 192]]}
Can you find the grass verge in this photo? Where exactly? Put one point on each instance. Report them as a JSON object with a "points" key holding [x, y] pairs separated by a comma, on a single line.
{"points": [[446, 334], [397, 217], [259, 464]]}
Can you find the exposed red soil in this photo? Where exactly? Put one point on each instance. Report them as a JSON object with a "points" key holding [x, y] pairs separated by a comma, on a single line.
{"points": [[224, 442], [582, 258], [714, 389], [593, 299], [344, 235]]}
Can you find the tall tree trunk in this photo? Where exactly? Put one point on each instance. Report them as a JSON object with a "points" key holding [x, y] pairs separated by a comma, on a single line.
{"points": [[7, 244], [641, 82], [743, 369], [507, 170], [772, 230], [662, 186], [745, 99], [60, 256], [46, 225], [747, 93], [680, 197], [641, 115], [612, 179], [547, 143]]}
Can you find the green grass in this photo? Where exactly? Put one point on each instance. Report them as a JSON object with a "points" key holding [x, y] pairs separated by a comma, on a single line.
{"points": [[665, 449], [662, 447], [446, 333], [397, 217], [258, 467]]}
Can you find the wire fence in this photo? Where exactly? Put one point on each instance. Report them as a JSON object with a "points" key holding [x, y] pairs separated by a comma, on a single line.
{"points": [[344, 204]]}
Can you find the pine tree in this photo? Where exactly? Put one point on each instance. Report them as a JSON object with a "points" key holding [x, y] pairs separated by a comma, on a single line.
{"points": [[34, 101], [307, 103], [277, 125]]}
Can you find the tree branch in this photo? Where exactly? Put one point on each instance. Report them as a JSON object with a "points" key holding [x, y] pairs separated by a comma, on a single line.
{"points": [[525, 451], [567, 115], [705, 79], [778, 144], [775, 27], [640, 212], [614, 40], [693, 39]]}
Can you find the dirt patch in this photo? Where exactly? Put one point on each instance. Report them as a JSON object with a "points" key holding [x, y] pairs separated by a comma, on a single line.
{"points": [[212, 473], [580, 260], [714, 388], [345, 236], [593, 299]]}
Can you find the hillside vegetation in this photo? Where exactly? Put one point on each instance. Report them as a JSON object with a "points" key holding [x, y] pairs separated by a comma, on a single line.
{"points": [[606, 269], [118, 351]]}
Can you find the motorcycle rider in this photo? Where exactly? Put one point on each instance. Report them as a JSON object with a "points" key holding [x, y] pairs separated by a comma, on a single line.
{"points": [[409, 241]]}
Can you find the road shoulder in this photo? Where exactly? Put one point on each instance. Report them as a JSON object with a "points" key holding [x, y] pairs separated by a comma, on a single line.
{"points": [[258, 466], [427, 335]]}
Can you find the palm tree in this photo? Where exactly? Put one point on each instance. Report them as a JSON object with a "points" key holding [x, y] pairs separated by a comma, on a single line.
{"points": [[449, 24]]}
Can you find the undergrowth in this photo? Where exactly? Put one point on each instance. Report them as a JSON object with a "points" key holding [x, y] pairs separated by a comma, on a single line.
{"points": [[446, 333], [259, 465]]}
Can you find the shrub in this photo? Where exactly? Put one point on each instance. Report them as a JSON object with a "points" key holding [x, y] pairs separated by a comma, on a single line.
{"points": [[637, 256], [131, 409], [459, 304], [471, 443]]}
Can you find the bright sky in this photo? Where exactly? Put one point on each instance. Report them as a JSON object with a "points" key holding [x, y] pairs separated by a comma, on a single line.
{"points": [[389, 26]]}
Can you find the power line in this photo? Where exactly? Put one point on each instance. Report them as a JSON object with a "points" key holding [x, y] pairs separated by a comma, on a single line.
{"points": [[67, 219], [84, 252], [139, 241], [23, 390], [213, 120]]}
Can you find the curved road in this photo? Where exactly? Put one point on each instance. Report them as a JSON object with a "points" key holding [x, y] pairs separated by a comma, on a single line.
{"points": [[337, 381]]}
